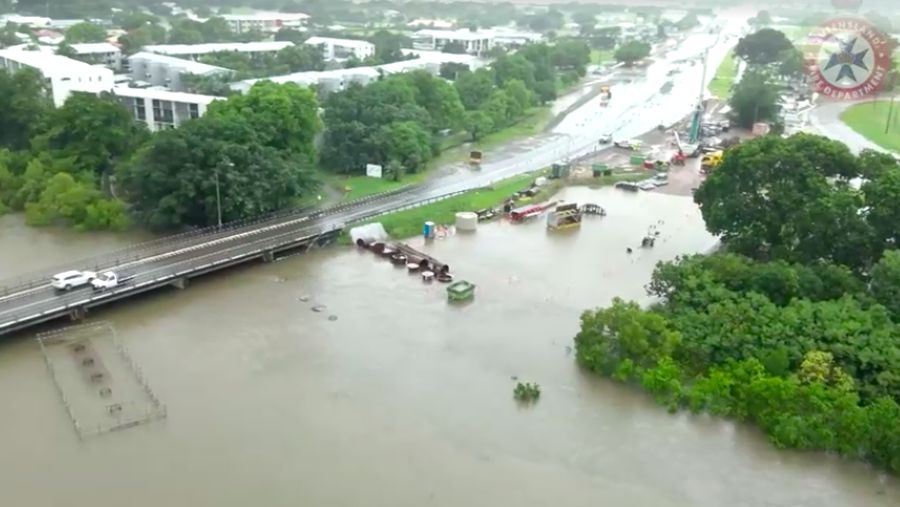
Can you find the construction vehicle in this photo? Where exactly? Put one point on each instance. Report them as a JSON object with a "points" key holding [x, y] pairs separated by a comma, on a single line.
{"points": [[605, 96], [475, 158], [688, 150], [710, 161], [678, 158]]}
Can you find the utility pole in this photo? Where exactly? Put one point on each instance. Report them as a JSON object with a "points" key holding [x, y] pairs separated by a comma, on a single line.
{"points": [[218, 199]]}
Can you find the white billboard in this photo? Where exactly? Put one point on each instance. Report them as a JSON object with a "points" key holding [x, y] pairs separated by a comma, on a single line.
{"points": [[373, 170]]}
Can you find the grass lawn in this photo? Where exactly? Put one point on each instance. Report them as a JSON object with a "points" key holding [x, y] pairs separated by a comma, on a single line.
{"points": [[602, 55], [356, 187], [869, 120], [721, 84], [408, 223]]}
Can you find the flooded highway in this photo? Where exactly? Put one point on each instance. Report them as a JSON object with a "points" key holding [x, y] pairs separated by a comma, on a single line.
{"points": [[402, 400]]}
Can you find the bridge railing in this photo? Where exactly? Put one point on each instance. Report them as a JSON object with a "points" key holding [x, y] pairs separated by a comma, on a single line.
{"points": [[165, 244]]}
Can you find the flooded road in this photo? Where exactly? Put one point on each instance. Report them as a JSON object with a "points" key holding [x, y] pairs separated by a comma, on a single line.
{"points": [[404, 400]]}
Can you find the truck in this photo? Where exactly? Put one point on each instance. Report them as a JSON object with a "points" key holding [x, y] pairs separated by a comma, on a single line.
{"points": [[710, 161], [68, 280], [605, 96], [475, 159], [109, 280]]}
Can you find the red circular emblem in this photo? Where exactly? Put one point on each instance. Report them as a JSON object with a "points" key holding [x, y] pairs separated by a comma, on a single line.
{"points": [[848, 58]]}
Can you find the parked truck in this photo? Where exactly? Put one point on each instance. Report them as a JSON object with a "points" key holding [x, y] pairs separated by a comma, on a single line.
{"points": [[110, 280]]}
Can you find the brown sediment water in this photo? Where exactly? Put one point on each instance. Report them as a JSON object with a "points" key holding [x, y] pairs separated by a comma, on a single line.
{"points": [[404, 399]]}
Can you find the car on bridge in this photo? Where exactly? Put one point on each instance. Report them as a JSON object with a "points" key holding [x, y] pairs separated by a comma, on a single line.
{"points": [[68, 280]]}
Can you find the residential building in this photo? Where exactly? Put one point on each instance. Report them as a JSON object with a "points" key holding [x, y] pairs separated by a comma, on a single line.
{"points": [[152, 69], [62, 75], [514, 38], [267, 22], [336, 80], [33, 21], [162, 109], [475, 42], [430, 23], [101, 53], [195, 51], [342, 49]]}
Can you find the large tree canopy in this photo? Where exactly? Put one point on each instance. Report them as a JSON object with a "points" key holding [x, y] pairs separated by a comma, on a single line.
{"points": [[763, 46], [790, 199], [754, 99], [172, 181], [632, 51]]}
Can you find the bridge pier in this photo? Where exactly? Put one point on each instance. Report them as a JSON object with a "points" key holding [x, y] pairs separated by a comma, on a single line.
{"points": [[181, 283], [78, 313], [268, 256]]}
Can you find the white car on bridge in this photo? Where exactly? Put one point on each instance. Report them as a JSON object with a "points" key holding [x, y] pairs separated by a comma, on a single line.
{"points": [[68, 280]]}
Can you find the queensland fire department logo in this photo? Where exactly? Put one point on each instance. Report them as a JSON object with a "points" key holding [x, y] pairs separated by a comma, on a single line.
{"points": [[848, 58]]}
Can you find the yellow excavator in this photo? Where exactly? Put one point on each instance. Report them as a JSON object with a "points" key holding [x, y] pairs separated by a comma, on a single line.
{"points": [[710, 161]]}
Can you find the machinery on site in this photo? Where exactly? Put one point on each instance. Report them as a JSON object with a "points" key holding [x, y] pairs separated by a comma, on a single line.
{"points": [[710, 161]]}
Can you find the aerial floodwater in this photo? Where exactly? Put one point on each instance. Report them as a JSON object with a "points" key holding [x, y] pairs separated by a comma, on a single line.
{"points": [[336, 379]]}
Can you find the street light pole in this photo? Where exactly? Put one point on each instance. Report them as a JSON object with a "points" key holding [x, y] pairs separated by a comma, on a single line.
{"points": [[218, 199]]}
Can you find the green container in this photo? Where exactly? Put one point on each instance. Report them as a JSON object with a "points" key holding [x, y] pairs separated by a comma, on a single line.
{"points": [[460, 290], [637, 160]]}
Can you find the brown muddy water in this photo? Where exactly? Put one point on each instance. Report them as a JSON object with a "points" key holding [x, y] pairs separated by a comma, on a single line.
{"points": [[403, 400]]}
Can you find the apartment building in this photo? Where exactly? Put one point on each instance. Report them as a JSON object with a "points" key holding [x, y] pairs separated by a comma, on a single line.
{"points": [[475, 42], [99, 53], [342, 49], [153, 69], [162, 109], [62, 75], [195, 51], [266, 22]]}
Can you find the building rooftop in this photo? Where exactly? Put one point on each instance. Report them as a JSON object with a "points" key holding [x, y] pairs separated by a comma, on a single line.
{"points": [[95, 47], [187, 65], [196, 49], [160, 94], [464, 34], [266, 16], [47, 63], [340, 42]]}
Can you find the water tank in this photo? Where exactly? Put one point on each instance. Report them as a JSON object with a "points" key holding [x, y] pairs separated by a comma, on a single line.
{"points": [[466, 221]]}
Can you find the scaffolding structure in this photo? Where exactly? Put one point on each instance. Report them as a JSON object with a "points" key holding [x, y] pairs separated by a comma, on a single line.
{"points": [[101, 387]]}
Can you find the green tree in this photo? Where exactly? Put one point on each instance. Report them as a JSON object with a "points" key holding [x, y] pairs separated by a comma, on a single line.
{"points": [[439, 98], [24, 104], [571, 54], [474, 88], [85, 32], [688, 22], [95, 131], [301, 58], [478, 124], [516, 67], [886, 282], [762, 18], [291, 35], [500, 107], [171, 182], [801, 215], [216, 29], [763, 46], [283, 116], [407, 143], [792, 63], [632, 51], [144, 35], [585, 20], [186, 31], [454, 47], [754, 99], [452, 70], [521, 98]]}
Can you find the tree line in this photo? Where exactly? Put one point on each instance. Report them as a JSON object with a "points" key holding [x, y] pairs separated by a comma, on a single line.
{"points": [[793, 325], [89, 165], [397, 121]]}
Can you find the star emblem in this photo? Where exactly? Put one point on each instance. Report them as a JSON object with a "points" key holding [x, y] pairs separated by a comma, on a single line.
{"points": [[847, 59]]}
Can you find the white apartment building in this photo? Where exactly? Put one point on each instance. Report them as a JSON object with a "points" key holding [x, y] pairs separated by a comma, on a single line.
{"points": [[267, 22], [476, 42], [195, 51], [342, 49], [162, 109], [100, 53], [512, 38], [62, 75], [167, 71], [329, 81]]}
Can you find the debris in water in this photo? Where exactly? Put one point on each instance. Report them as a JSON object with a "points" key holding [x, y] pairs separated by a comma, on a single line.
{"points": [[514, 377], [304, 298], [568, 350], [332, 318], [318, 308]]}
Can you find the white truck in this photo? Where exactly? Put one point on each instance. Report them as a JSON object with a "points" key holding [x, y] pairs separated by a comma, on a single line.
{"points": [[68, 280], [108, 280]]}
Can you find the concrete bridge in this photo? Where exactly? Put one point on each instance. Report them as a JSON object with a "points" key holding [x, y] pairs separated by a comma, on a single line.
{"points": [[29, 300]]}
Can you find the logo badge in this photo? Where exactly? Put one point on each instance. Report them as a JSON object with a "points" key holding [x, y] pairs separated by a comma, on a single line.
{"points": [[848, 58]]}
